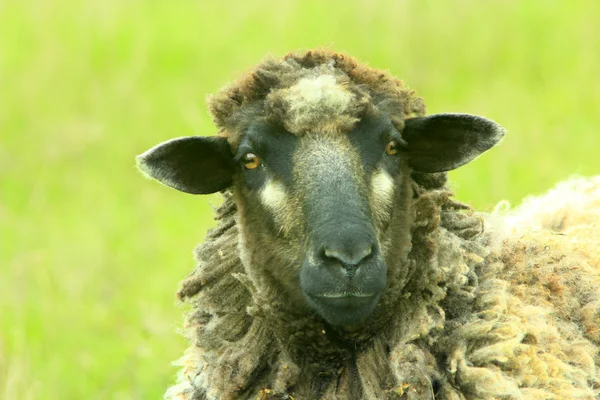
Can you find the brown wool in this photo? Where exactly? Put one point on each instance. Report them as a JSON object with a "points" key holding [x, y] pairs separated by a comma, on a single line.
{"points": [[273, 91]]}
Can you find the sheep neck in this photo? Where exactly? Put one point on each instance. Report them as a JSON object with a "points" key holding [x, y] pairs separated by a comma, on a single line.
{"points": [[257, 343]]}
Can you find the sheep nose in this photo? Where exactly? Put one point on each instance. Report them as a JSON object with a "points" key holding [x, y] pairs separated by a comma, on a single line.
{"points": [[350, 257]]}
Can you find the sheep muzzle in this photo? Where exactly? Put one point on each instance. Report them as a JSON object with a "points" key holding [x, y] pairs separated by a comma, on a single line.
{"points": [[343, 275]]}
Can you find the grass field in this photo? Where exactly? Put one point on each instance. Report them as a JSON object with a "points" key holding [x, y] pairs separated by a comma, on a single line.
{"points": [[91, 253]]}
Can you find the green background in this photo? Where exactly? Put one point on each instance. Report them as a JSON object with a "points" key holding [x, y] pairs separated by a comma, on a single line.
{"points": [[91, 253]]}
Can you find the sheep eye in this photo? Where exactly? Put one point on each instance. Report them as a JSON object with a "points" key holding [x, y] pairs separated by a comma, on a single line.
{"points": [[391, 148], [250, 161]]}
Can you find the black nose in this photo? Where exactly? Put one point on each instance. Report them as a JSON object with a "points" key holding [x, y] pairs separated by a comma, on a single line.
{"points": [[350, 253]]}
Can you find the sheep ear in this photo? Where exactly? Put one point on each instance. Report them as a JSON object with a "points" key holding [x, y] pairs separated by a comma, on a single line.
{"points": [[442, 142], [194, 164]]}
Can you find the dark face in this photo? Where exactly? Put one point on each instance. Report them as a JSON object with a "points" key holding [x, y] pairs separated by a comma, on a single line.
{"points": [[321, 213], [326, 201]]}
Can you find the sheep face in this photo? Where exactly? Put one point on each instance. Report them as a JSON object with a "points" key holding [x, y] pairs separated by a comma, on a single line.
{"points": [[324, 212], [324, 200]]}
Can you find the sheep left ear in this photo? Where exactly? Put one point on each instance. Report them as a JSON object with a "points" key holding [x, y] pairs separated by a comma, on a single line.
{"points": [[194, 164], [442, 142]]}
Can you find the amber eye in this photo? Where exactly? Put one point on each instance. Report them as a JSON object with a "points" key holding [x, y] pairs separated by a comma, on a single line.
{"points": [[391, 148], [250, 161]]}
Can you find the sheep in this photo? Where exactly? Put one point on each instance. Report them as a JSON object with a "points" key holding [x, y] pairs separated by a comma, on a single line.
{"points": [[341, 266]]}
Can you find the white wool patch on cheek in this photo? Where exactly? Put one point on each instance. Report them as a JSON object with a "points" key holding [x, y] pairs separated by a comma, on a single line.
{"points": [[382, 188], [273, 197]]}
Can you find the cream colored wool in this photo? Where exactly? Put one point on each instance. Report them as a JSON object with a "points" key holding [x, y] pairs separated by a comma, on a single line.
{"points": [[545, 257]]}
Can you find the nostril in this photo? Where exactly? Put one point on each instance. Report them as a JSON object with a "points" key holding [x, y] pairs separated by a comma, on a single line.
{"points": [[366, 253], [349, 258], [332, 255]]}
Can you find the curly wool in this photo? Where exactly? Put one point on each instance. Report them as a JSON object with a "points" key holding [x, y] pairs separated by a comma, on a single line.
{"points": [[548, 253], [303, 91]]}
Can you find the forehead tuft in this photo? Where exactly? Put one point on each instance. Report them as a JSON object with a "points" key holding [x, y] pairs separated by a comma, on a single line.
{"points": [[315, 103], [319, 91], [312, 91]]}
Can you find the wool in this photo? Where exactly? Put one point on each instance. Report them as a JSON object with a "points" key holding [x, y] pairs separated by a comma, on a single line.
{"points": [[477, 306], [544, 259], [303, 91]]}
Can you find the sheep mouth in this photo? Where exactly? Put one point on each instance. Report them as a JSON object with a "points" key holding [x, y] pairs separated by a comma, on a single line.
{"points": [[345, 301], [344, 295], [340, 299], [344, 308]]}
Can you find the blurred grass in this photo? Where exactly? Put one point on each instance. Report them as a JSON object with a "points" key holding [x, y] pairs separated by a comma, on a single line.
{"points": [[91, 253]]}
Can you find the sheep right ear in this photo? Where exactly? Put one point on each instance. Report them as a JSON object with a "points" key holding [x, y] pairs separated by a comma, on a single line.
{"points": [[442, 142], [194, 164]]}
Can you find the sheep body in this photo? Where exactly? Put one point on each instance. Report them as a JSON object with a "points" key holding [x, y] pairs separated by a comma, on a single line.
{"points": [[476, 306]]}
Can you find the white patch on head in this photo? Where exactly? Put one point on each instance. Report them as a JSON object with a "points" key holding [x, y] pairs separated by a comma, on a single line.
{"points": [[382, 188], [319, 91], [316, 101]]}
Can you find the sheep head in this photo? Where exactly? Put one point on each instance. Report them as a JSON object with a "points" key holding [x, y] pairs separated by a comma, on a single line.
{"points": [[318, 152]]}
